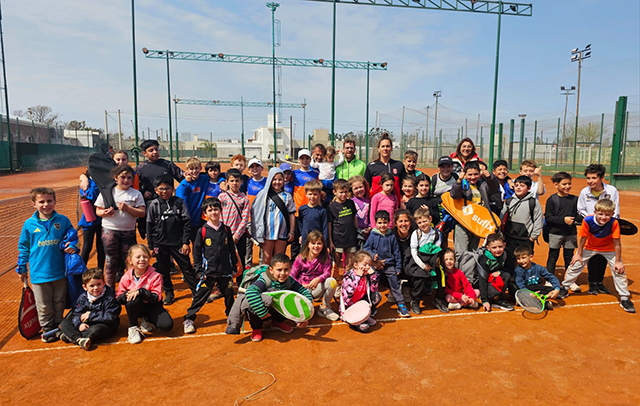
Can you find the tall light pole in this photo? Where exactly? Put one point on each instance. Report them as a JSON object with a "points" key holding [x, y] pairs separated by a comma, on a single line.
{"points": [[273, 7], [565, 91], [333, 78], [437, 94], [6, 94], [136, 149], [521, 146], [425, 135], [578, 56]]}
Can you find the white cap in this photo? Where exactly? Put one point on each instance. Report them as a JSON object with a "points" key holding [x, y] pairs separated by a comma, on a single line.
{"points": [[303, 152], [255, 161]]}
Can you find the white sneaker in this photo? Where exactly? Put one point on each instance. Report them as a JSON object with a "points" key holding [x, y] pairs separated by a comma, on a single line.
{"points": [[328, 313], [455, 306], [145, 326], [575, 288], [189, 327], [135, 336], [371, 321]]}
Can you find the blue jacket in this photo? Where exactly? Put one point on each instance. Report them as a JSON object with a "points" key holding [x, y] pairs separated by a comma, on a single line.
{"points": [[91, 194], [386, 246], [39, 247], [536, 275], [193, 194], [104, 310]]}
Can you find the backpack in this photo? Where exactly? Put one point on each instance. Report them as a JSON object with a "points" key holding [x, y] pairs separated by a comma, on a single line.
{"points": [[470, 266], [507, 227], [545, 225], [434, 180], [249, 276]]}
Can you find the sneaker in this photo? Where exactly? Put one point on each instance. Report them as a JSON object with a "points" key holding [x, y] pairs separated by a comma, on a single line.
{"points": [[627, 305], [256, 335], [360, 328], [284, 327], [455, 306], [390, 298], [402, 311], [373, 312], [564, 293], [593, 288], [134, 335], [84, 343], [169, 298], [603, 289], [371, 321], [548, 305], [474, 304], [575, 288], [65, 338], [49, 338], [213, 296], [232, 331], [502, 305], [145, 326], [328, 313], [415, 307], [189, 327], [441, 305]]}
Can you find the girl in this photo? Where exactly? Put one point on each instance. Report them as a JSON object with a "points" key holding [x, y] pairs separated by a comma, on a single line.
{"points": [[140, 291], [360, 197], [459, 291], [119, 224], [360, 283], [312, 268], [273, 216], [408, 190], [384, 200], [327, 165]]}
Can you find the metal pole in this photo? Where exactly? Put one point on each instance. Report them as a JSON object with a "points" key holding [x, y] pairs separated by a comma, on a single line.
{"points": [[119, 130], [106, 128], [6, 96], [482, 146], [135, 82], [211, 146], [242, 120], [435, 121], [495, 86], [290, 136], [175, 106], [273, 7], [424, 137], [477, 127], [366, 130], [521, 146], [500, 128], [466, 129], [169, 104], [511, 129], [304, 121], [558, 143], [535, 136], [600, 144], [333, 77], [440, 143], [402, 132], [575, 136]]}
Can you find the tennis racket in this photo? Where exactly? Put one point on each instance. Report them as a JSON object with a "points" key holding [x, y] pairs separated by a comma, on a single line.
{"points": [[530, 301]]}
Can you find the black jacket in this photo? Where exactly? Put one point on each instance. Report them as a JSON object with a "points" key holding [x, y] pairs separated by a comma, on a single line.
{"points": [[168, 222], [104, 310], [486, 186], [215, 254]]}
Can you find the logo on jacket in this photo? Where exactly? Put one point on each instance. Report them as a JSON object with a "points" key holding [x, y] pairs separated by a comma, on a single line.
{"points": [[208, 242], [395, 171], [37, 230], [56, 226]]}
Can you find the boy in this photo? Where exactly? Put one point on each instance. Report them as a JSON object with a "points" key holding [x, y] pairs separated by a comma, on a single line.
{"points": [[600, 234], [168, 231], [442, 181], [523, 223], [383, 247], [492, 279], [192, 190], [560, 214], [216, 183], [531, 169], [495, 198], [238, 162], [300, 178], [287, 170], [534, 277], [343, 224], [424, 199], [39, 247], [596, 189], [477, 188], [215, 260], [236, 211], [410, 161], [501, 172], [254, 185], [96, 314], [312, 216], [276, 277]]}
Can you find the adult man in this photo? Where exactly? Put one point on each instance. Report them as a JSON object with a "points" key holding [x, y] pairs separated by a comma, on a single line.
{"points": [[351, 165]]}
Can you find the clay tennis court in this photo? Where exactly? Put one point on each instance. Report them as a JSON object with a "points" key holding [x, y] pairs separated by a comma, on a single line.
{"points": [[584, 352]]}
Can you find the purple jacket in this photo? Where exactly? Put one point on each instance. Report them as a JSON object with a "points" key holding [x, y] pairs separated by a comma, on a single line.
{"points": [[305, 271]]}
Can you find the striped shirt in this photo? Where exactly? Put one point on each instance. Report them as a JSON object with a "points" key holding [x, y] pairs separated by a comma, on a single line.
{"points": [[276, 222], [235, 212]]}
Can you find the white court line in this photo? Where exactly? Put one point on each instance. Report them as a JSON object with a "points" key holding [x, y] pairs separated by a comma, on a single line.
{"points": [[338, 323]]}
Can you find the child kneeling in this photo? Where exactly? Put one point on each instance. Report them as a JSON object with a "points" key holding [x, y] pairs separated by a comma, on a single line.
{"points": [[96, 314], [360, 282], [140, 291], [459, 291]]}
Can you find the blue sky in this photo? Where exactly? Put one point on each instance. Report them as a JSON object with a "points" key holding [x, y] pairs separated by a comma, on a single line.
{"points": [[75, 56]]}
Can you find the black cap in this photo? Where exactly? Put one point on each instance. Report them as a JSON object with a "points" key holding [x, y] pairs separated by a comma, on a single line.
{"points": [[445, 160]]}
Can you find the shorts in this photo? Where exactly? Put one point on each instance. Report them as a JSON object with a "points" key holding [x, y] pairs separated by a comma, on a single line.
{"points": [[569, 242], [347, 250]]}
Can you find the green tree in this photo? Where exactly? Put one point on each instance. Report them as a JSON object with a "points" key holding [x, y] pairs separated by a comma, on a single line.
{"points": [[209, 147]]}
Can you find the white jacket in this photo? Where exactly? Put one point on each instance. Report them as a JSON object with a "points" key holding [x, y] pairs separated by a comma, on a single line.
{"points": [[587, 201]]}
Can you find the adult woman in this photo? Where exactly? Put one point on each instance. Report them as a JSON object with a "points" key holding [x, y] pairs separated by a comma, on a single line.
{"points": [[465, 152], [384, 163]]}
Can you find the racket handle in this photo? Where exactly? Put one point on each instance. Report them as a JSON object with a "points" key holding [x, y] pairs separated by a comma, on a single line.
{"points": [[51, 333]]}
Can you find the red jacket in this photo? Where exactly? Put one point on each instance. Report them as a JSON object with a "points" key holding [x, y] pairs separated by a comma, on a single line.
{"points": [[458, 284], [150, 280]]}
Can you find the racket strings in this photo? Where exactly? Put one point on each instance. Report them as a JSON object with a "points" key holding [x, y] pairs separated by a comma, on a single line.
{"points": [[529, 301]]}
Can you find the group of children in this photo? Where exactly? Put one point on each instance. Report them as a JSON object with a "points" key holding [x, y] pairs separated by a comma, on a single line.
{"points": [[397, 236]]}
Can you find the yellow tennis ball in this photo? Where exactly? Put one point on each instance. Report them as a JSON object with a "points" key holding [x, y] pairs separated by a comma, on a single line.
{"points": [[334, 284]]}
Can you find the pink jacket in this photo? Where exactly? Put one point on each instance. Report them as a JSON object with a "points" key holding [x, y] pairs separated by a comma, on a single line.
{"points": [[458, 284], [150, 280], [305, 271], [383, 202]]}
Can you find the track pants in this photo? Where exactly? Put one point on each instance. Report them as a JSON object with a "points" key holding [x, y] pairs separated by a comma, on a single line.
{"points": [[225, 284], [163, 262], [620, 281], [95, 332]]}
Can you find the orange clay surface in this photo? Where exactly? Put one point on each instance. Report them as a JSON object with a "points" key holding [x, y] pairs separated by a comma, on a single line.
{"points": [[584, 352]]}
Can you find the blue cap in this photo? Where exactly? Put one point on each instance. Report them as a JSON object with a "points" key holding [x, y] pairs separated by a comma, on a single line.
{"points": [[285, 166]]}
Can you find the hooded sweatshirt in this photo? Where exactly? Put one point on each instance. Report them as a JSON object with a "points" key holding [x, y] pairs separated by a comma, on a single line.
{"points": [[386, 246], [520, 224], [259, 208]]}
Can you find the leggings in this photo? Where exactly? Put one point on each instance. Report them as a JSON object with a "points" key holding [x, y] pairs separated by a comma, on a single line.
{"points": [[88, 235], [154, 312]]}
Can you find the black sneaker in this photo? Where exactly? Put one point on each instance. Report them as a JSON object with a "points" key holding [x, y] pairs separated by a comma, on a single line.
{"points": [[548, 305], [603, 289], [169, 297], [593, 288], [415, 307], [627, 305], [502, 305], [65, 338], [441, 305], [564, 293]]}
